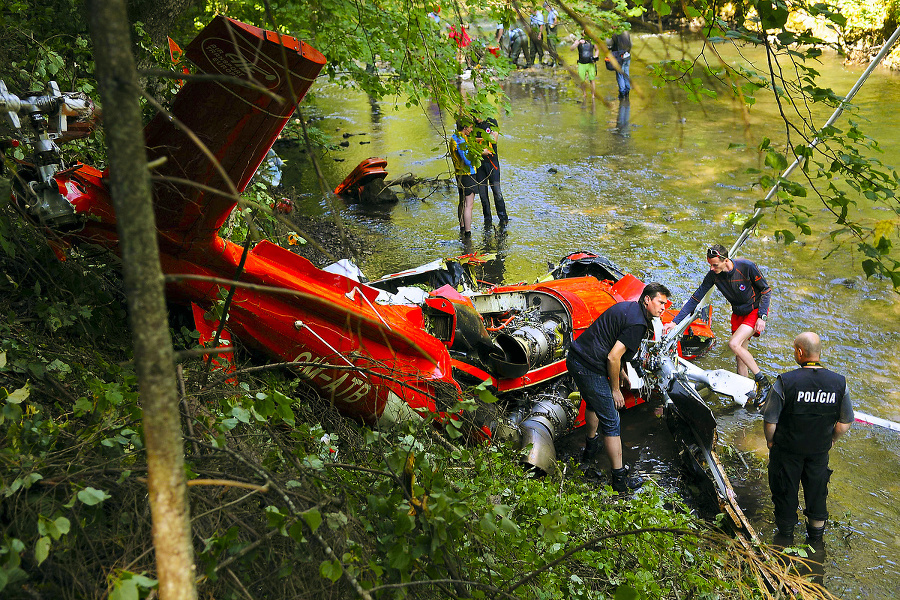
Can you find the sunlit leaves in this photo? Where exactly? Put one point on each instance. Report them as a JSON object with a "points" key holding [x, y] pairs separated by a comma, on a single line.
{"points": [[772, 15], [776, 160], [662, 8]]}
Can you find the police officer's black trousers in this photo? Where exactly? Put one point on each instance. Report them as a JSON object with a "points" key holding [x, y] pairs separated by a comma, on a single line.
{"points": [[787, 471]]}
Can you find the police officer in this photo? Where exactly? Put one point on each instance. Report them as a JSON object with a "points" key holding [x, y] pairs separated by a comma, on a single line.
{"points": [[807, 410]]}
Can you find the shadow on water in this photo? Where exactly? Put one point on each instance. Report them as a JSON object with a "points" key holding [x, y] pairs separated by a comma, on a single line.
{"points": [[650, 183]]}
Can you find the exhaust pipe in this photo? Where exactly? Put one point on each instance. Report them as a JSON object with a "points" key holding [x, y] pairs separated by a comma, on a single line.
{"points": [[550, 417]]}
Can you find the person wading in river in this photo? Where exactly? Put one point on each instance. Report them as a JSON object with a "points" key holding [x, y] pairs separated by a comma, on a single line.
{"points": [[596, 362], [487, 176], [465, 173], [806, 412], [588, 54], [620, 47], [743, 285]]}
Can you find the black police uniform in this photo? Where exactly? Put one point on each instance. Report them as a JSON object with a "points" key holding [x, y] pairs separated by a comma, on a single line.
{"points": [[805, 404]]}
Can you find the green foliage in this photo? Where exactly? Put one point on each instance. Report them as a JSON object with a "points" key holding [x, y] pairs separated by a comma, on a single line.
{"points": [[131, 586], [839, 165]]}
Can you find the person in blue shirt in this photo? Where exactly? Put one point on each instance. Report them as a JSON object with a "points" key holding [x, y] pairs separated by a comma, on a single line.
{"points": [[464, 169], [552, 23], [536, 33]]}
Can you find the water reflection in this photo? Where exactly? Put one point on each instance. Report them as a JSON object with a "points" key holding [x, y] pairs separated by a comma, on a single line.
{"points": [[374, 111], [623, 127], [494, 270]]}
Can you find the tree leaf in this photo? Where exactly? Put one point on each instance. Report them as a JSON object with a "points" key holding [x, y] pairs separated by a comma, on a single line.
{"points": [[626, 592], [19, 395], [42, 549], [313, 518], [241, 414], [125, 590], [92, 496], [331, 569], [62, 526]]}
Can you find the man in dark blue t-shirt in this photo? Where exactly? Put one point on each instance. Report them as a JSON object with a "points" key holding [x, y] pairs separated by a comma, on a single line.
{"points": [[596, 361]]}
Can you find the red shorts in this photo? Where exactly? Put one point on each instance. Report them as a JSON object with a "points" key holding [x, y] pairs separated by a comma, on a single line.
{"points": [[737, 321]]}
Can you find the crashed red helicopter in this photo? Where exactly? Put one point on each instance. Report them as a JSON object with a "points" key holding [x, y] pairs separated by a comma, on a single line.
{"points": [[379, 355]]}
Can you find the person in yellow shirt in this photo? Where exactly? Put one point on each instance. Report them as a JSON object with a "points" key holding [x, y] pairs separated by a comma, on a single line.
{"points": [[464, 168]]}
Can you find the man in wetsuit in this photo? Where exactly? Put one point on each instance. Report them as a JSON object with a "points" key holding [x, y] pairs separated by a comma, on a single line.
{"points": [[596, 362], [742, 284], [488, 173], [806, 412]]}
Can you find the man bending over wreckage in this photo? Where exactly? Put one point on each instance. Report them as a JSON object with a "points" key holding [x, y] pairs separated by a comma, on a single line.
{"points": [[596, 361]]}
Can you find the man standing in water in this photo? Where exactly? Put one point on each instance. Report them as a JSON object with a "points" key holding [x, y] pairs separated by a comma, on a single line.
{"points": [[620, 46], [488, 173], [587, 65], [597, 360], [806, 412], [743, 285], [552, 23], [536, 36]]}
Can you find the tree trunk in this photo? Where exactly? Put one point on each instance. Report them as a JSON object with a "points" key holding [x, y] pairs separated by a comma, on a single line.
{"points": [[153, 353], [158, 16]]}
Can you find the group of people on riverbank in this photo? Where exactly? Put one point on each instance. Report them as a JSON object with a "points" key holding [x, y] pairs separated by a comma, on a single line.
{"points": [[539, 37], [541, 34], [805, 411]]}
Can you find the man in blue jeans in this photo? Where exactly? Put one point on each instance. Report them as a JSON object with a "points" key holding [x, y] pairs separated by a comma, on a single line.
{"points": [[596, 362], [620, 46]]}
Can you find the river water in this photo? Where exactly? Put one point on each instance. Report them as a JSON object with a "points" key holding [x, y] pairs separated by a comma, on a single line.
{"points": [[651, 184]]}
